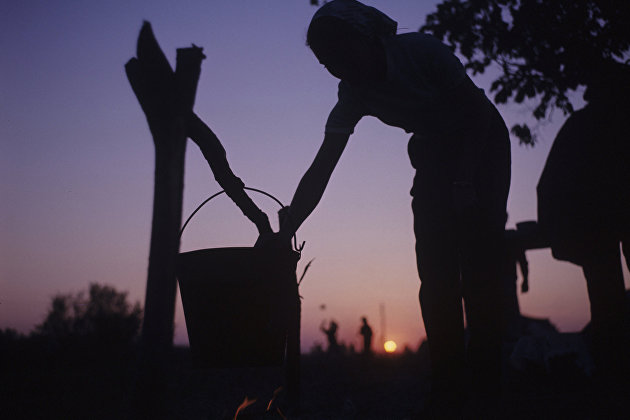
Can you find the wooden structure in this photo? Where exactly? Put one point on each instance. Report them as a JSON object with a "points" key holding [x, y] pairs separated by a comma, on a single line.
{"points": [[167, 99]]}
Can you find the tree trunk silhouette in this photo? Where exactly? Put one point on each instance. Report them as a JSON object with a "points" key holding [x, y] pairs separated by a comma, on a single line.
{"points": [[167, 98]]}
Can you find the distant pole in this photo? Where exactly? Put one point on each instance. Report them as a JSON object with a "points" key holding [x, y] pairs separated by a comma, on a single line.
{"points": [[382, 313], [167, 98]]}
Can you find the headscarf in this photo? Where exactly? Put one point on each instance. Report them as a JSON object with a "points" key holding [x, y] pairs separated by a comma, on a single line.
{"points": [[367, 20]]}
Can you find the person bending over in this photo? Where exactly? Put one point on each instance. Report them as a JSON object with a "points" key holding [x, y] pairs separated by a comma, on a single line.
{"points": [[460, 149]]}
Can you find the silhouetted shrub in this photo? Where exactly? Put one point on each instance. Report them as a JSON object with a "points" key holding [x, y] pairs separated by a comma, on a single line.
{"points": [[9, 335], [10, 341], [104, 318]]}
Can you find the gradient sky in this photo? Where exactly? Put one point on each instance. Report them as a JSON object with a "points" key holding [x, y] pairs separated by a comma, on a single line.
{"points": [[76, 163]]}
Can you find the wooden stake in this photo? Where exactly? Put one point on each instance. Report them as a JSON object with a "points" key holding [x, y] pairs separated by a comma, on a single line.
{"points": [[167, 98]]}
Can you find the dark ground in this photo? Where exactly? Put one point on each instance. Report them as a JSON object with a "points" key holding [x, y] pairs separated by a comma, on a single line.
{"points": [[39, 381]]}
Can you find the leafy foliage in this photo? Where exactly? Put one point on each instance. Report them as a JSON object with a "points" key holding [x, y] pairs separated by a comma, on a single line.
{"points": [[545, 49], [104, 317]]}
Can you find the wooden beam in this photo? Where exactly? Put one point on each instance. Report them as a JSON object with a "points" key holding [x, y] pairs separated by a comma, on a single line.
{"points": [[167, 98]]}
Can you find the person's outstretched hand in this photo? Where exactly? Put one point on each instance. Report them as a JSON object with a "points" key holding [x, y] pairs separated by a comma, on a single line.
{"points": [[280, 240], [274, 240]]}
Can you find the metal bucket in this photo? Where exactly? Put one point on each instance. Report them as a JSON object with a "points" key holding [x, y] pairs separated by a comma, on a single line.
{"points": [[238, 304]]}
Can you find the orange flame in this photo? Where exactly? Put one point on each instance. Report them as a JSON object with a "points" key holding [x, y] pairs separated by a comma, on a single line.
{"points": [[246, 403], [275, 395]]}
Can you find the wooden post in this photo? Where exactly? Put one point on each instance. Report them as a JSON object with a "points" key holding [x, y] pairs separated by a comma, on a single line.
{"points": [[167, 98]]}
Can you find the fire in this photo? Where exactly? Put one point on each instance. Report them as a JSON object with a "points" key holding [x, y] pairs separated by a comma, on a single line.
{"points": [[246, 403], [275, 394], [273, 398], [390, 346]]}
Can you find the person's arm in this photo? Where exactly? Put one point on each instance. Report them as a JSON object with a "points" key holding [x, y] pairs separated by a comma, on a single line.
{"points": [[215, 154], [322, 326], [312, 185], [522, 261]]}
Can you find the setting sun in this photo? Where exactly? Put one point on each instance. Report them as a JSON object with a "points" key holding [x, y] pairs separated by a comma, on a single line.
{"points": [[390, 346]]}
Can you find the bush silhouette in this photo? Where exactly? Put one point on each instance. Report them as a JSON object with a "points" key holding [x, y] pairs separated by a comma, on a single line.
{"points": [[104, 318]]}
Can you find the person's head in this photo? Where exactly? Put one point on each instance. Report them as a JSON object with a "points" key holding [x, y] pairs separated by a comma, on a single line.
{"points": [[364, 319], [346, 37]]}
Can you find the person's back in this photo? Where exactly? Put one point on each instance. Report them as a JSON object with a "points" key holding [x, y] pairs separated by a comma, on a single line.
{"points": [[584, 208], [366, 332], [424, 91], [583, 189]]}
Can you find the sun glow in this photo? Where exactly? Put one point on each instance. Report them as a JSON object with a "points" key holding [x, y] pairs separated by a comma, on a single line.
{"points": [[390, 346]]}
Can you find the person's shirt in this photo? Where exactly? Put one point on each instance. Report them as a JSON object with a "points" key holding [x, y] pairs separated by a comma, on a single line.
{"points": [[366, 331], [421, 92]]}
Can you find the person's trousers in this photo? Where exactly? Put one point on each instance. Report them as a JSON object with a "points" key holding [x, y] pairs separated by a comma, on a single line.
{"points": [[459, 253], [609, 308]]}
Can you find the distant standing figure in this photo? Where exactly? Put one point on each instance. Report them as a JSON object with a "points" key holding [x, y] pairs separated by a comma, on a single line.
{"points": [[366, 332], [584, 207], [331, 335]]}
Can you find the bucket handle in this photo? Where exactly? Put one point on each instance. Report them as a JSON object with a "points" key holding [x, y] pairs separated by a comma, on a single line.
{"points": [[181, 232]]}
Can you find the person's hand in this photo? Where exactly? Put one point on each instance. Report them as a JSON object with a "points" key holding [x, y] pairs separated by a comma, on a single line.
{"points": [[284, 218], [273, 240], [524, 286]]}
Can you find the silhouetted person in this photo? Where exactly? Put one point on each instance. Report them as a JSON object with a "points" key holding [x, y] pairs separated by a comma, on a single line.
{"points": [[461, 152], [331, 336], [584, 207], [366, 333]]}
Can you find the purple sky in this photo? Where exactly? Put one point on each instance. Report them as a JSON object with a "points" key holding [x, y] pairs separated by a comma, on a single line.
{"points": [[76, 163]]}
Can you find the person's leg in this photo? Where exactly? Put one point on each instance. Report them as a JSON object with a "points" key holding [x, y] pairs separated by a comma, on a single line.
{"points": [[438, 268], [482, 286], [441, 306], [483, 254], [445, 239], [606, 292]]}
